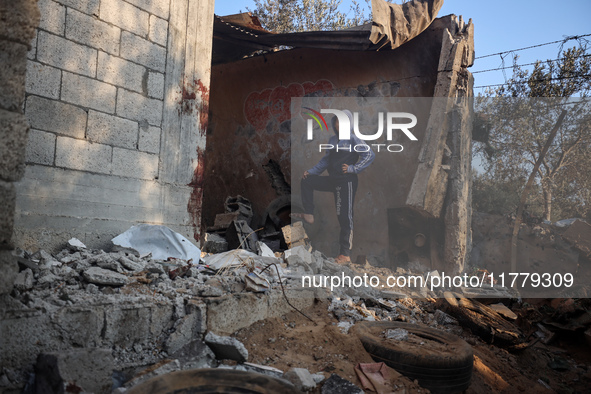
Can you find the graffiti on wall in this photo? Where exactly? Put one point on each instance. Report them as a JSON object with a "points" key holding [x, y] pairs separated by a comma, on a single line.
{"points": [[274, 104]]}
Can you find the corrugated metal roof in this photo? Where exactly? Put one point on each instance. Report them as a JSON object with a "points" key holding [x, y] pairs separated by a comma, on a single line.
{"points": [[241, 35]]}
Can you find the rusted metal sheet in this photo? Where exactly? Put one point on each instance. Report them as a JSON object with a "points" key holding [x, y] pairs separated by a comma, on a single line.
{"points": [[240, 35]]}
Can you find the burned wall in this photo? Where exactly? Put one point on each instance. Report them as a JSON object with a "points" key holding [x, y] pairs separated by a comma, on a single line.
{"points": [[250, 127], [116, 95]]}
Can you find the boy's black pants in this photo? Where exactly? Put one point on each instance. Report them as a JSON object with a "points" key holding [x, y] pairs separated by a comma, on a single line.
{"points": [[343, 189]]}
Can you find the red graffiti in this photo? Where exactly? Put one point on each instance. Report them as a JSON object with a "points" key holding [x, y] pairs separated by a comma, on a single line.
{"points": [[274, 104], [196, 199], [204, 107]]}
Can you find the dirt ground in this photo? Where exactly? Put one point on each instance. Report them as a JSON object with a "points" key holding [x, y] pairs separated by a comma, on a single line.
{"points": [[294, 341]]}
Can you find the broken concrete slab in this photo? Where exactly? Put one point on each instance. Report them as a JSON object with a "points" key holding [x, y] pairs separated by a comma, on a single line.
{"points": [[295, 235], [105, 277], [131, 265], [24, 280], [195, 354], [214, 243], [301, 379], [226, 348], [87, 370]]}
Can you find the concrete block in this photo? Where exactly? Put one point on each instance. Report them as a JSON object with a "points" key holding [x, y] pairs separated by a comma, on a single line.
{"points": [[156, 85], [87, 370], [134, 164], [53, 16], [121, 72], [112, 130], [222, 316], [214, 243], [65, 54], [40, 147], [137, 107], [83, 155], [158, 30], [43, 80], [127, 324], [142, 51], [12, 78], [125, 16], [301, 379], [55, 116], [24, 280], [157, 7], [90, 31], [226, 348], [101, 276], [13, 134], [90, 7], [8, 264], [88, 92], [149, 140], [160, 317], [185, 332], [80, 325], [32, 54]]}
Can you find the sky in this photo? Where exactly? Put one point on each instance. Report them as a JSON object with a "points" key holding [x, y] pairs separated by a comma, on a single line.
{"points": [[499, 25]]}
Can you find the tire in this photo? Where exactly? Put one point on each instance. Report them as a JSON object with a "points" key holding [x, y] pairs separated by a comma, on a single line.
{"points": [[447, 372], [213, 380]]}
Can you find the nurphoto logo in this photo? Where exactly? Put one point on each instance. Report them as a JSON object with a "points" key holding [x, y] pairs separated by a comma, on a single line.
{"points": [[394, 122]]}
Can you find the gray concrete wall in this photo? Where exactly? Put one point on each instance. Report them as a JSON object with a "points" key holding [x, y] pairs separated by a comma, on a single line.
{"points": [[17, 27], [114, 94]]}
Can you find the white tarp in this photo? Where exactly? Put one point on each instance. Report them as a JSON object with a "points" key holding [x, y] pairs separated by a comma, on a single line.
{"points": [[158, 240]]}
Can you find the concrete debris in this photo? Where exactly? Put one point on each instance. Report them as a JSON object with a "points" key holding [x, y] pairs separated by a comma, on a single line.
{"points": [[24, 280], [240, 236], [398, 334], [75, 244], [131, 265], [102, 276], [264, 250], [295, 235], [226, 348], [78, 370], [301, 379], [256, 283], [214, 243], [337, 385]]}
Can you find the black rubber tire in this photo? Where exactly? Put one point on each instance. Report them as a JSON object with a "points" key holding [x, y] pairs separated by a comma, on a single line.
{"points": [[450, 372], [213, 380]]}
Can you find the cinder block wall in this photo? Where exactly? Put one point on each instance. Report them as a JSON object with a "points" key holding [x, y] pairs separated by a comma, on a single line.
{"points": [[95, 98]]}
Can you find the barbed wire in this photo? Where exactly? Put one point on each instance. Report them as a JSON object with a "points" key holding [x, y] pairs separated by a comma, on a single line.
{"points": [[564, 40]]}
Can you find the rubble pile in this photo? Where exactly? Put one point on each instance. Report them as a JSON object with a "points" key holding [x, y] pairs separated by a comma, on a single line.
{"points": [[136, 317]]}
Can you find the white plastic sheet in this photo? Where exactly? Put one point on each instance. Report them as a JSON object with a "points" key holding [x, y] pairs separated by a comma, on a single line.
{"points": [[158, 240]]}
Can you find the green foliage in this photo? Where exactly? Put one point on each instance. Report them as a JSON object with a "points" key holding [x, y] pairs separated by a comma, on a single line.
{"points": [[521, 114], [285, 16]]}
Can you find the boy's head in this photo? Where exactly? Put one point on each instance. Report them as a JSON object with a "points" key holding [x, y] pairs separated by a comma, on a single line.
{"points": [[335, 122]]}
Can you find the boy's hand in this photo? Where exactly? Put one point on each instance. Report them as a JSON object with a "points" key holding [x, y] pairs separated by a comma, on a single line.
{"points": [[345, 168], [306, 173]]}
